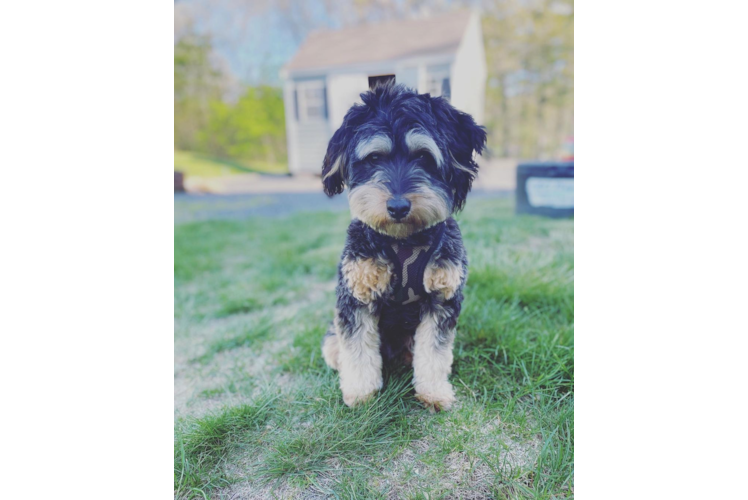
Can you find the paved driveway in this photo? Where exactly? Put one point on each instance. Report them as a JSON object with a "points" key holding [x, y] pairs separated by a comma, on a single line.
{"points": [[197, 207]]}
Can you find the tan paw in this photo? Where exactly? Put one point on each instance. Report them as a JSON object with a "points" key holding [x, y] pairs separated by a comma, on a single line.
{"points": [[435, 400], [444, 279], [367, 279], [360, 388], [353, 399]]}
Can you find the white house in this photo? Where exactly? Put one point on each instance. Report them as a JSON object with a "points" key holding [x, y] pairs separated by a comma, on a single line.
{"points": [[441, 55]]}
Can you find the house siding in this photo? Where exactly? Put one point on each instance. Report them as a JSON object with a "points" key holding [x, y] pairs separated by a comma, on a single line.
{"points": [[469, 72], [291, 125], [307, 139], [312, 138], [344, 91]]}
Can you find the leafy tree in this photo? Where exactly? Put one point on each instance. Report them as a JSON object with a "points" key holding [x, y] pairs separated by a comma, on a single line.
{"points": [[253, 128], [197, 84], [530, 94], [206, 121]]}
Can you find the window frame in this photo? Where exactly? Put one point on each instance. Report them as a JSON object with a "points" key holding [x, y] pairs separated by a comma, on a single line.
{"points": [[303, 101], [436, 74]]}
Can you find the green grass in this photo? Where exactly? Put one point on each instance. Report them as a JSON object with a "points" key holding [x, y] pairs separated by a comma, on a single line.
{"points": [[202, 445], [258, 414], [198, 165]]}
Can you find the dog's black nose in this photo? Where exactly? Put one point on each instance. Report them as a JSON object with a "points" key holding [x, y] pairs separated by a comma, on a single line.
{"points": [[398, 207]]}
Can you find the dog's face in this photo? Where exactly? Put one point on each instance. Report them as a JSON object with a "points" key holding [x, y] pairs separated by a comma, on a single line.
{"points": [[407, 160]]}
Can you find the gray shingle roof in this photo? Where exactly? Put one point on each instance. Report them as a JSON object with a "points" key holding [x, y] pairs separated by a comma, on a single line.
{"points": [[381, 42]]}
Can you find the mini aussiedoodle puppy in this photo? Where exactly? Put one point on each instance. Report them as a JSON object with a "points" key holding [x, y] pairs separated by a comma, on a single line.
{"points": [[408, 162]]}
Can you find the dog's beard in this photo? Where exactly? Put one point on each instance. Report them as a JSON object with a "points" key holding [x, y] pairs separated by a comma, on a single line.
{"points": [[368, 203]]}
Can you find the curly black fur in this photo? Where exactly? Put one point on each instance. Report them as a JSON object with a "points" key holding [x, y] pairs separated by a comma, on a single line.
{"points": [[374, 149]]}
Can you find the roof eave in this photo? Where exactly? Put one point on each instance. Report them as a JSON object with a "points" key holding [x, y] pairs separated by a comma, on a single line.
{"points": [[366, 66]]}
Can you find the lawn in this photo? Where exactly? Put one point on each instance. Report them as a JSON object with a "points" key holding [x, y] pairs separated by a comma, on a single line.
{"points": [[259, 415], [197, 165]]}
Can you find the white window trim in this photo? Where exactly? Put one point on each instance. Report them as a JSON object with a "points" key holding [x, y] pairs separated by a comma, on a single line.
{"points": [[444, 72], [301, 88]]}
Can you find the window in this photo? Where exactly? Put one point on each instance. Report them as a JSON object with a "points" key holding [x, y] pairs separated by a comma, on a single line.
{"points": [[437, 81], [311, 100]]}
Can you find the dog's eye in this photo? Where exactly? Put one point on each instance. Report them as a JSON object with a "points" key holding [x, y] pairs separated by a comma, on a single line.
{"points": [[372, 158], [423, 156]]}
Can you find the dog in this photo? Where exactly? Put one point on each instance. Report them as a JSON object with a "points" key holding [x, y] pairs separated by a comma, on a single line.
{"points": [[408, 161]]}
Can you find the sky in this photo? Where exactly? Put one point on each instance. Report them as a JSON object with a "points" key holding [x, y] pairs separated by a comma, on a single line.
{"points": [[253, 42], [254, 39]]}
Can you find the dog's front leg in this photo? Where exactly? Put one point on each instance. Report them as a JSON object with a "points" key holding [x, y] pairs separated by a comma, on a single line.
{"points": [[359, 359], [432, 358], [362, 282], [434, 338]]}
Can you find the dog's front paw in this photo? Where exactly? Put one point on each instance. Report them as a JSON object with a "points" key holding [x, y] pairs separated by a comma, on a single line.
{"points": [[353, 399], [436, 398], [358, 395], [443, 280], [367, 279]]}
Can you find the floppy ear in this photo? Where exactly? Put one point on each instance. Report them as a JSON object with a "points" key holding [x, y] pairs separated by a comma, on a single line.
{"points": [[334, 163], [340, 149], [463, 137]]}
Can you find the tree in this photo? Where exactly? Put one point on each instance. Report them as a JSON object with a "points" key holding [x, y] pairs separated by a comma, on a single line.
{"points": [[251, 129], [530, 95], [197, 84]]}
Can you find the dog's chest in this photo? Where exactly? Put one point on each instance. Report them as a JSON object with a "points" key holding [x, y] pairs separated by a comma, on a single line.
{"points": [[410, 262], [407, 281], [401, 312]]}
